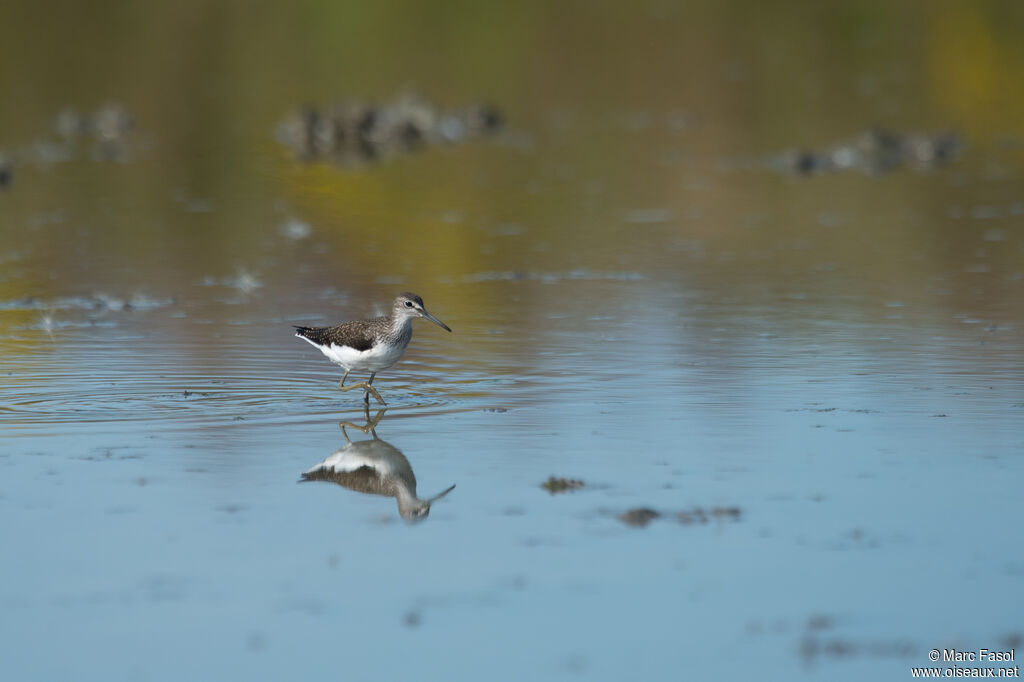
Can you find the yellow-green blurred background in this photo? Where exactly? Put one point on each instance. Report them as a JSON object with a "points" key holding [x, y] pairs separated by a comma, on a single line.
{"points": [[611, 108]]}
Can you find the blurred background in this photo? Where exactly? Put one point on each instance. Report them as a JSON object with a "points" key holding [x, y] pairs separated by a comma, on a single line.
{"points": [[762, 257], [611, 113]]}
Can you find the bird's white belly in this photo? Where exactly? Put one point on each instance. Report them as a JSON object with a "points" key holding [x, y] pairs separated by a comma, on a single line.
{"points": [[375, 359]]}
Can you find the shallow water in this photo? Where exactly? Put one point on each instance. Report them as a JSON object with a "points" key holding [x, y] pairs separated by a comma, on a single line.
{"points": [[637, 302]]}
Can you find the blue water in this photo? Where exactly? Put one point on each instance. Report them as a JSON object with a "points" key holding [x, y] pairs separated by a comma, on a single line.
{"points": [[158, 535]]}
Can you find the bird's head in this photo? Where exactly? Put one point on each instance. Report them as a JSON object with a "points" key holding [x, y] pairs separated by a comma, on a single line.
{"points": [[409, 305], [416, 509]]}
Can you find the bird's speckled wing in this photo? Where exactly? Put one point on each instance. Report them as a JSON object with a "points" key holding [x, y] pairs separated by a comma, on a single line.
{"points": [[356, 335]]}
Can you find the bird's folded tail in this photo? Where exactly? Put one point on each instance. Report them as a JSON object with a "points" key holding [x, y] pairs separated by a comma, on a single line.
{"points": [[315, 335]]}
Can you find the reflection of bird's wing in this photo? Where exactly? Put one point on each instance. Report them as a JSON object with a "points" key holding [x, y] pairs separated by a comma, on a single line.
{"points": [[362, 479]]}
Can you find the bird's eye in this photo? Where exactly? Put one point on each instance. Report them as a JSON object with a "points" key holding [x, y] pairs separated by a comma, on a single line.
{"points": [[408, 304]]}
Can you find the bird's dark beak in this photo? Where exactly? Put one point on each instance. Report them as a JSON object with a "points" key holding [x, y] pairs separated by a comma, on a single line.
{"points": [[436, 321], [437, 497]]}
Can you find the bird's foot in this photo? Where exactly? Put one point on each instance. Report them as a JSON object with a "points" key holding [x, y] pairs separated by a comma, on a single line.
{"points": [[367, 391]]}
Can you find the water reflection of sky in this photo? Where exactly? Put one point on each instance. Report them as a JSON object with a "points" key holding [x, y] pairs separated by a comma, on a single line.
{"points": [[870, 478]]}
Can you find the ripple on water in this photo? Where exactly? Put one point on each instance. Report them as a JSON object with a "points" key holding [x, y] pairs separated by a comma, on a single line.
{"points": [[99, 397], [170, 397]]}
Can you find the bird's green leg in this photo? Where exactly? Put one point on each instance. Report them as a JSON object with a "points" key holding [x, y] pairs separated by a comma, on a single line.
{"points": [[371, 389], [345, 376], [367, 389]]}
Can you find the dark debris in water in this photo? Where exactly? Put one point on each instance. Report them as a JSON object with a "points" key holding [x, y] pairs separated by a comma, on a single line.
{"points": [[188, 394], [6, 172], [556, 484], [817, 642], [109, 454], [874, 152], [354, 133], [699, 515], [639, 517]]}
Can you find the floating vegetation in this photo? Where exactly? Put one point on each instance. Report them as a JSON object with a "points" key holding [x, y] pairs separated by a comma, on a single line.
{"points": [[641, 516], [816, 643], [106, 134], [698, 515], [98, 310], [108, 128], [874, 152], [97, 302], [353, 133], [109, 122], [556, 484]]}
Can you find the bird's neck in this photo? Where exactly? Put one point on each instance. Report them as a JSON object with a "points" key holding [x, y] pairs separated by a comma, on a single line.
{"points": [[401, 327]]}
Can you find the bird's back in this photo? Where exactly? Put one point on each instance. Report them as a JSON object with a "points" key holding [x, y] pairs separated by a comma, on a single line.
{"points": [[358, 335]]}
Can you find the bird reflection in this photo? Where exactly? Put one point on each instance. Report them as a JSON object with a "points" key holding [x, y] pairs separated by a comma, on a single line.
{"points": [[374, 467]]}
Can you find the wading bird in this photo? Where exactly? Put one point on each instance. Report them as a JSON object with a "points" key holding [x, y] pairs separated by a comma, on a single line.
{"points": [[369, 345]]}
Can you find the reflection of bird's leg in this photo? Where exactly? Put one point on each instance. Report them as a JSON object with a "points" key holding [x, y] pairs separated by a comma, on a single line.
{"points": [[369, 427], [372, 425], [367, 388]]}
